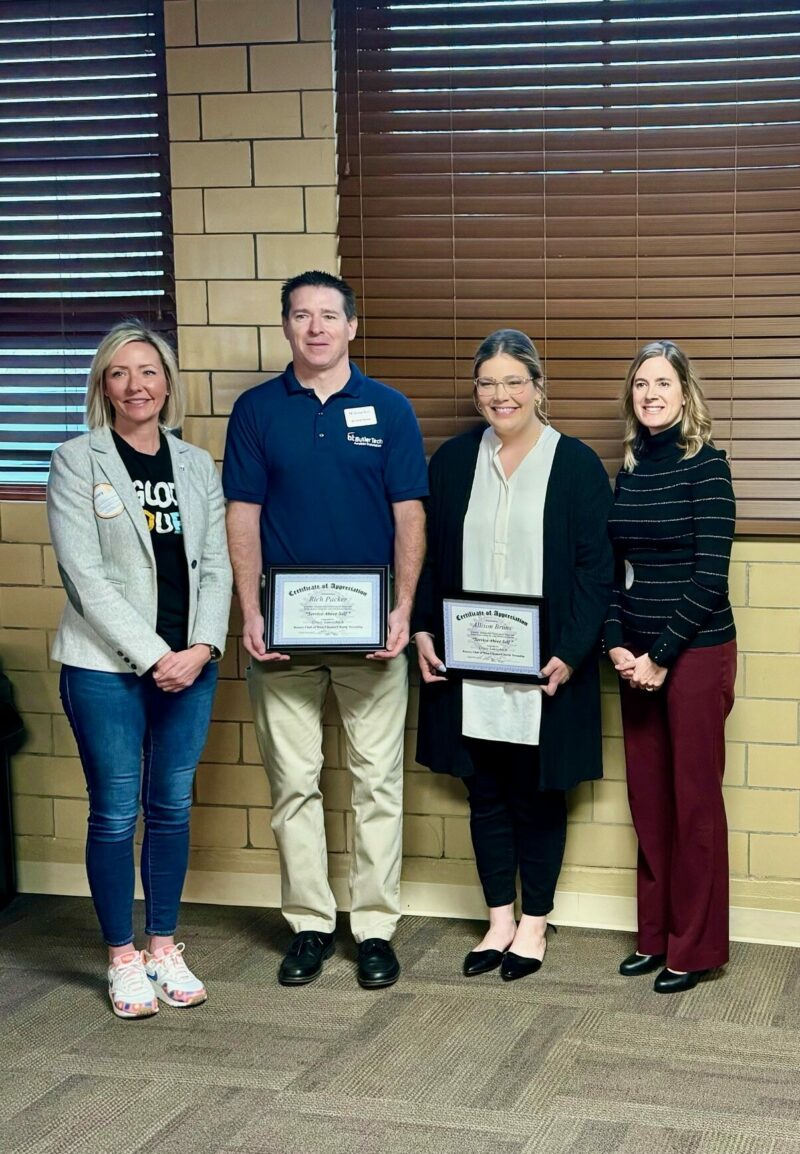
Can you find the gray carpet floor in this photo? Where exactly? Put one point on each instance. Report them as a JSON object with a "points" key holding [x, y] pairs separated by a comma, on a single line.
{"points": [[573, 1060]]}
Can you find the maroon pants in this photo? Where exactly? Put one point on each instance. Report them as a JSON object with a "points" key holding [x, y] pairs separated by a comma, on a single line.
{"points": [[675, 756]]}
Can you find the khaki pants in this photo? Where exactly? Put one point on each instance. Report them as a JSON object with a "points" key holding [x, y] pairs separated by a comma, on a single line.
{"points": [[287, 704]]}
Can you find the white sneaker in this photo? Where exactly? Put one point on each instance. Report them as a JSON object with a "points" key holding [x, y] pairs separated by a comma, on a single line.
{"points": [[172, 979], [128, 988]]}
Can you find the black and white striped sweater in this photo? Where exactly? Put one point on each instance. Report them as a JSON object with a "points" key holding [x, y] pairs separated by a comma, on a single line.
{"points": [[672, 529]]}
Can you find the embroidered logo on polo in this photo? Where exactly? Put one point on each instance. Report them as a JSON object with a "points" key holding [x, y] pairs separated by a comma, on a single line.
{"points": [[369, 442], [160, 506], [107, 502]]}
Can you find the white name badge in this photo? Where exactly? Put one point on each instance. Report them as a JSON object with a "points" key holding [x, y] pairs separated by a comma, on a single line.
{"points": [[363, 416]]}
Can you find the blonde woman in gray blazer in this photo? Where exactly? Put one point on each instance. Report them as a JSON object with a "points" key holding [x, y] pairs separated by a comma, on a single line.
{"points": [[137, 522]]}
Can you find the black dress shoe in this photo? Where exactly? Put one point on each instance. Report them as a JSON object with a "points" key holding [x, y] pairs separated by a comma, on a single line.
{"points": [[377, 964], [304, 958], [636, 964], [514, 966], [481, 962], [668, 982]]}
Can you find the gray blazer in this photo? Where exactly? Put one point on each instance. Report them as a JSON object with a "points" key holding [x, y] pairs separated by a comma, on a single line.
{"points": [[106, 561]]}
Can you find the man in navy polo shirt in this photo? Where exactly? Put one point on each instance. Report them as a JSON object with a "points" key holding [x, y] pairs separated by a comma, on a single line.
{"points": [[324, 466]]}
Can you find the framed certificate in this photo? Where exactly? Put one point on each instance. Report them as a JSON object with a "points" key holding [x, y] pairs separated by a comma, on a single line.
{"points": [[494, 637], [327, 607]]}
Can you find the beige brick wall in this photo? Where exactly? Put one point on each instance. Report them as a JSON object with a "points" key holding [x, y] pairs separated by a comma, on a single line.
{"points": [[231, 832], [251, 119], [254, 175]]}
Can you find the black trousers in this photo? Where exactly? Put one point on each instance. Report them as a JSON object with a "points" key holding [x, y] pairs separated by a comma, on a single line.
{"points": [[515, 826]]}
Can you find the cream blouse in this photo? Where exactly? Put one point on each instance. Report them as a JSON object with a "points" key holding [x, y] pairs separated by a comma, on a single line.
{"points": [[503, 547]]}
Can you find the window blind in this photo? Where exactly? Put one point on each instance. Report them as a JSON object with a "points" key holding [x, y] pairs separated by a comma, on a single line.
{"points": [[598, 173], [85, 234]]}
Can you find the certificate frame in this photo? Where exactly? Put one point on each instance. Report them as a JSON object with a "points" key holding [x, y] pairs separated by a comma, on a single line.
{"points": [[332, 590], [527, 626]]}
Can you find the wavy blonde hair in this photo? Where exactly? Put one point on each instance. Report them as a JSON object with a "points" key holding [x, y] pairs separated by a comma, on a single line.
{"points": [[99, 410], [514, 344], [696, 419]]}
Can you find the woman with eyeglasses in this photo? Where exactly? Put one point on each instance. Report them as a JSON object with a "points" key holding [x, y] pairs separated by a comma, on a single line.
{"points": [[516, 508]]}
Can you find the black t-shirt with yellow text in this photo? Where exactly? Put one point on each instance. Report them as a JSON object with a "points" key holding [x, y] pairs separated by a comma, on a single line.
{"points": [[154, 483]]}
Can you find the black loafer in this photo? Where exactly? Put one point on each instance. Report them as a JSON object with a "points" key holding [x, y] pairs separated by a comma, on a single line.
{"points": [[668, 982], [514, 966], [304, 958], [481, 962], [636, 964], [377, 964]]}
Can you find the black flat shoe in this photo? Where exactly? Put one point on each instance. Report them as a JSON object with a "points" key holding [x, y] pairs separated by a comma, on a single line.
{"points": [[668, 982], [514, 966], [377, 964], [636, 964], [481, 962], [304, 958]]}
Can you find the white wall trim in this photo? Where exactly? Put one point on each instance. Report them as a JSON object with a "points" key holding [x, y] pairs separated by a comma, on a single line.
{"points": [[422, 899]]}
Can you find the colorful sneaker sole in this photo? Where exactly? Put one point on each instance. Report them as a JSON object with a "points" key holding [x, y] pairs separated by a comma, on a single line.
{"points": [[185, 1003], [133, 1010]]}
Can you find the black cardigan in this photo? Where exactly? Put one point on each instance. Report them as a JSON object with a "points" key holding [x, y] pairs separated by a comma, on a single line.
{"points": [[578, 571]]}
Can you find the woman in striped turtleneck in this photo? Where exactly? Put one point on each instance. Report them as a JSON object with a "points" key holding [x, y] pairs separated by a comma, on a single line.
{"points": [[671, 638]]}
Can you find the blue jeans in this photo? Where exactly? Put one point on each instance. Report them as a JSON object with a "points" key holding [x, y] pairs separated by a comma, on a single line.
{"points": [[137, 743]]}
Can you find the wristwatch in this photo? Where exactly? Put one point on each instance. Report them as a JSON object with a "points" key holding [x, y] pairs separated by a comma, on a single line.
{"points": [[215, 653]]}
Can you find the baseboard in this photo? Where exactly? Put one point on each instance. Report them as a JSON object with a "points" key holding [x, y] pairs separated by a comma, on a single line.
{"points": [[422, 899]]}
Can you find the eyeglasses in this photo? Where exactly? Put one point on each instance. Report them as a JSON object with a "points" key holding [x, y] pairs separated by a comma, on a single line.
{"points": [[512, 385]]}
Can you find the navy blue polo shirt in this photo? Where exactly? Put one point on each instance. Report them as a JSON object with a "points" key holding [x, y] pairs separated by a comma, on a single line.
{"points": [[324, 473]]}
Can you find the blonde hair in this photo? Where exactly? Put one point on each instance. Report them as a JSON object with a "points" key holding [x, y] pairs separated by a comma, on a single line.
{"points": [[99, 410], [695, 419], [521, 348]]}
